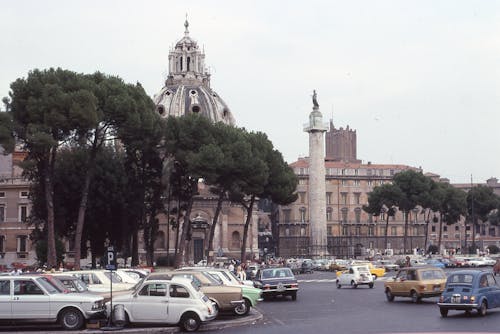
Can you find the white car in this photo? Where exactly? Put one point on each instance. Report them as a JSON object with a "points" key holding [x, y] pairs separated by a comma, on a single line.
{"points": [[101, 280], [476, 262], [175, 301], [489, 261], [31, 298], [354, 276]]}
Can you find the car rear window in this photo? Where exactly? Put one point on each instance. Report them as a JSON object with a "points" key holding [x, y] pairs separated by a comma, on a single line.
{"points": [[432, 274], [460, 279]]}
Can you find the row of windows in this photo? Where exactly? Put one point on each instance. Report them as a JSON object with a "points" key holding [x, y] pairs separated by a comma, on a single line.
{"points": [[22, 194], [355, 183], [344, 198], [22, 243], [351, 172], [22, 213]]}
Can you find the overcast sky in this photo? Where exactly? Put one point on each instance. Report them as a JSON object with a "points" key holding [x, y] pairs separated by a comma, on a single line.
{"points": [[419, 80]]}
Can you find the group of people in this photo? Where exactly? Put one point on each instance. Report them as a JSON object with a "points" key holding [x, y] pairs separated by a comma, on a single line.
{"points": [[239, 270]]}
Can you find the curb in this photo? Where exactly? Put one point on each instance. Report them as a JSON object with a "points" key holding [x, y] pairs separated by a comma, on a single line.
{"points": [[253, 317]]}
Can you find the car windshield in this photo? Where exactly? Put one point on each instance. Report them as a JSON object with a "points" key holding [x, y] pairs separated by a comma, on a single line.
{"points": [[113, 276], [460, 279], [47, 286], [214, 280], [432, 274], [75, 285], [55, 283]]}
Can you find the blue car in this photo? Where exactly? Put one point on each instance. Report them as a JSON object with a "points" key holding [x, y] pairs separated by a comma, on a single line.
{"points": [[435, 263], [468, 290]]}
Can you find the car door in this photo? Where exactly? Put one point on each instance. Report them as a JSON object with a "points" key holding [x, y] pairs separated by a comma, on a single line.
{"points": [[493, 292], [179, 300], [5, 299], [398, 284], [150, 304], [29, 301]]}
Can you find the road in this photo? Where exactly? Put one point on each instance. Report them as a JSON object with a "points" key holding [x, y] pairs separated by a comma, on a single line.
{"points": [[322, 308]]}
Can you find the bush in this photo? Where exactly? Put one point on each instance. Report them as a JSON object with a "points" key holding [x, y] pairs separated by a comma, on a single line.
{"points": [[493, 249]]}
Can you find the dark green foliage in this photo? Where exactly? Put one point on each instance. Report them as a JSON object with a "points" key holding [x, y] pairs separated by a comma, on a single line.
{"points": [[433, 249], [41, 251]]}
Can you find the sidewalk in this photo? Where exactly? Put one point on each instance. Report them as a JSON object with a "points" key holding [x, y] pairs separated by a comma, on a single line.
{"points": [[226, 321]]}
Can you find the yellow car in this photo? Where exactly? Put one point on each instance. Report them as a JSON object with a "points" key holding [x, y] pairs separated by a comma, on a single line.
{"points": [[416, 283]]}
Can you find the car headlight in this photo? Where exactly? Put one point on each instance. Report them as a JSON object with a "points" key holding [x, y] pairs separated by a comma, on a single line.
{"points": [[98, 305]]}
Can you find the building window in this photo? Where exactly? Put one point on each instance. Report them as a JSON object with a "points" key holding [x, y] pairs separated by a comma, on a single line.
{"points": [[370, 230], [2, 194], [356, 172], [343, 198], [369, 183], [391, 172], [415, 230], [23, 194], [286, 215], [302, 231], [344, 182], [302, 181], [2, 244], [22, 243], [457, 235], [380, 172], [235, 240], [2, 213], [23, 213], [357, 213], [287, 232], [433, 228], [358, 230], [445, 228], [328, 198], [302, 212], [344, 215], [329, 215], [160, 240], [302, 171], [356, 183], [382, 230], [343, 172], [394, 230], [457, 228], [302, 197], [344, 230], [369, 172], [357, 197]]}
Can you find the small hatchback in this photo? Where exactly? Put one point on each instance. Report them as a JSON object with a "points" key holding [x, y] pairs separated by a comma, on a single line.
{"points": [[468, 290], [416, 283]]}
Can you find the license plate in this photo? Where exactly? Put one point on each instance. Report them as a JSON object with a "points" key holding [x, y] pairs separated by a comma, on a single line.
{"points": [[455, 299], [280, 287], [437, 288]]}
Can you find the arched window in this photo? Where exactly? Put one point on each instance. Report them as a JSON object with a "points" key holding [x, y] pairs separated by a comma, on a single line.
{"points": [[344, 215], [180, 63], [160, 240], [329, 215], [235, 240], [188, 62]]}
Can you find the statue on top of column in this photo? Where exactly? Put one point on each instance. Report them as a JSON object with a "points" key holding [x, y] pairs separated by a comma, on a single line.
{"points": [[315, 100]]}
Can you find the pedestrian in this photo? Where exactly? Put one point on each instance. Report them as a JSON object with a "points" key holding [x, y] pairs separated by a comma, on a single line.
{"points": [[240, 273], [408, 262]]}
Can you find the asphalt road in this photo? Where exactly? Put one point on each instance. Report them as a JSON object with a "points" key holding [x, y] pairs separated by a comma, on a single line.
{"points": [[322, 308]]}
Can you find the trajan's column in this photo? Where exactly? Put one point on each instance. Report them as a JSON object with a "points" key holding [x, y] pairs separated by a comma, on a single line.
{"points": [[317, 190]]}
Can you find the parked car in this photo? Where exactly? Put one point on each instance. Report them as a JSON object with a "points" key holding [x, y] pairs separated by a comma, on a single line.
{"points": [[277, 282], [226, 298], [252, 271], [72, 283], [476, 262], [307, 267], [355, 276], [375, 271], [175, 301], [488, 261], [416, 283], [388, 265], [435, 263], [32, 298], [251, 295], [468, 290], [101, 280]]}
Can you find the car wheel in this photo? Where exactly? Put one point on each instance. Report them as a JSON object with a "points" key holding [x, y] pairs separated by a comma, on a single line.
{"points": [[444, 312], [338, 285], [414, 297], [243, 309], [190, 322], [354, 285], [71, 319], [483, 309], [294, 295], [389, 295], [370, 285]]}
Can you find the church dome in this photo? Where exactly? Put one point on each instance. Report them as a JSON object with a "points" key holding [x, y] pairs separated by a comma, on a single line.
{"points": [[187, 88]]}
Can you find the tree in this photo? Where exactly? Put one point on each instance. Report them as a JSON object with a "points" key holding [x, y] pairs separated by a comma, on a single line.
{"points": [[480, 202], [451, 205], [384, 199], [414, 187], [46, 109], [183, 139]]}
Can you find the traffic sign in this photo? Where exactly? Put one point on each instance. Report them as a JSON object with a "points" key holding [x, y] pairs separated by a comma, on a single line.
{"points": [[110, 258]]}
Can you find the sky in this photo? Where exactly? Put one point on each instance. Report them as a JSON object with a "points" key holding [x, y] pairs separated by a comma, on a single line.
{"points": [[418, 80]]}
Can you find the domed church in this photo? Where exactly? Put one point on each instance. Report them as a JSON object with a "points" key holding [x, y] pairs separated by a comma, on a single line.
{"points": [[187, 88]]}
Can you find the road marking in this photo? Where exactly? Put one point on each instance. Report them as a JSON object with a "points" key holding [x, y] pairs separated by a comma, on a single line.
{"points": [[333, 280]]}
